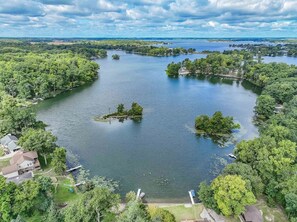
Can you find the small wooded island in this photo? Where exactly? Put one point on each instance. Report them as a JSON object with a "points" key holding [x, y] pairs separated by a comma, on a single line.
{"points": [[217, 125], [115, 57], [134, 113]]}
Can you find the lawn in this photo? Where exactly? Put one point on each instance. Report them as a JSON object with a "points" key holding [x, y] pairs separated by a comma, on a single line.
{"points": [[185, 212], [63, 193]]}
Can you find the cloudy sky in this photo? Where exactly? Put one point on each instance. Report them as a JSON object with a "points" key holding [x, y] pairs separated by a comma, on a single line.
{"points": [[148, 18]]}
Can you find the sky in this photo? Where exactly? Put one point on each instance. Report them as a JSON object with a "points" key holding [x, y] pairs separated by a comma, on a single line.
{"points": [[148, 18]]}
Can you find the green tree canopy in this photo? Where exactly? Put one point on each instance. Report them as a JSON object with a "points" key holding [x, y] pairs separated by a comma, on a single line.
{"points": [[265, 106], [59, 160], [38, 140], [134, 211], [248, 174], [94, 205], [232, 194]]}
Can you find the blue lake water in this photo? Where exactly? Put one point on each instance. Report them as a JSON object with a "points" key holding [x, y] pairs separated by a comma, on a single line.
{"points": [[161, 154]]}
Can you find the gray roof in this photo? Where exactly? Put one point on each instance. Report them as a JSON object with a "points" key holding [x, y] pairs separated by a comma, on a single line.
{"points": [[10, 142], [216, 217], [252, 214], [21, 178]]}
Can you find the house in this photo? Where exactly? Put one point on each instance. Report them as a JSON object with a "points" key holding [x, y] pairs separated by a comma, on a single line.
{"points": [[10, 142], [216, 217], [21, 178], [183, 71], [252, 214], [21, 163]]}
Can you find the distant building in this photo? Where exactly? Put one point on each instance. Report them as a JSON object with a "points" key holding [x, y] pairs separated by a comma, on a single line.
{"points": [[183, 71], [10, 142], [252, 214], [21, 163]]}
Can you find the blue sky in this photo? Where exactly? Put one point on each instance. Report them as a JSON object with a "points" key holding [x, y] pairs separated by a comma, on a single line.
{"points": [[148, 18]]}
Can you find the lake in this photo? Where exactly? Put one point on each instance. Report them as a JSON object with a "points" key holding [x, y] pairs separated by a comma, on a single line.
{"points": [[161, 154]]}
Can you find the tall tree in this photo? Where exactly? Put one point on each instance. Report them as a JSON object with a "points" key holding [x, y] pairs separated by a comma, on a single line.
{"points": [[59, 160], [38, 140], [232, 194], [94, 205], [265, 106], [134, 211]]}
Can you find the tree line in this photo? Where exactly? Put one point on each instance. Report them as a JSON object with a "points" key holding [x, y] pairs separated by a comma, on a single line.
{"points": [[269, 50], [227, 63]]}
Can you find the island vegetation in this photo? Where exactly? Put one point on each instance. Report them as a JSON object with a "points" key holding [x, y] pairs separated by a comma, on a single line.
{"points": [[215, 125], [115, 57], [233, 64], [121, 114]]}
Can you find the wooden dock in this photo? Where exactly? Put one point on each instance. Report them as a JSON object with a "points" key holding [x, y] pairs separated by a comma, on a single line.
{"points": [[74, 168]]}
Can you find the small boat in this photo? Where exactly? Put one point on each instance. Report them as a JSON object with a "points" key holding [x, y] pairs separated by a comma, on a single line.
{"points": [[232, 155], [193, 193], [142, 194]]}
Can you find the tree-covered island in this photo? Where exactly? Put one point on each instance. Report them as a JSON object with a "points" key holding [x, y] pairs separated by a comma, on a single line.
{"points": [[115, 57], [134, 113], [218, 128], [215, 125]]}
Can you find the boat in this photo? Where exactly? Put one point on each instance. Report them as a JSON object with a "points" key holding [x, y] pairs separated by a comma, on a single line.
{"points": [[142, 194], [193, 193], [232, 155]]}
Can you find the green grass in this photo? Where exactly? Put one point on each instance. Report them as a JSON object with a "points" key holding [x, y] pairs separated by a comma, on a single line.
{"points": [[184, 213], [62, 194], [271, 214]]}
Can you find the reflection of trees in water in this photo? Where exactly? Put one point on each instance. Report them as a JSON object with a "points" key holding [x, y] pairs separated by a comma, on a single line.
{"points": [[135, 119], [221, 140]]}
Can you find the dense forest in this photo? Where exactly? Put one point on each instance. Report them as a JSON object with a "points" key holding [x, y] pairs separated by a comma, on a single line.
{"points": [[42, 75], [230, 63]]}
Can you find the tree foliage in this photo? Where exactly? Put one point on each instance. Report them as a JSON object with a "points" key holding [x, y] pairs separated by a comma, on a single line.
{"points": [[94, 205], [59, 160], [39, 140], [232, 194], [217, 124]]}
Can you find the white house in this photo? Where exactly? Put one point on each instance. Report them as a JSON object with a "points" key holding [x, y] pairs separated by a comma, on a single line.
{"points": [[21, 163]]}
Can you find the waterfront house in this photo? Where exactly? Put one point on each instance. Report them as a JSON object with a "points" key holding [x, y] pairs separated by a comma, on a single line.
{"points": [[252, 214], [183, 71], [10, 143], [21, 163]]}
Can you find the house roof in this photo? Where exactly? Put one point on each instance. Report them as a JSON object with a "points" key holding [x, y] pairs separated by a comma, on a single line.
{"points": [[21, 156], [252, 214], [21, 178], [10, 169], [12, 145], [216, 217], [7, 139]]}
